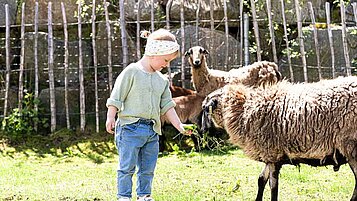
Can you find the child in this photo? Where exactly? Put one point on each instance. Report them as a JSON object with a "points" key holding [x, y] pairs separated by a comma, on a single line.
{"points": [[140, 95]]}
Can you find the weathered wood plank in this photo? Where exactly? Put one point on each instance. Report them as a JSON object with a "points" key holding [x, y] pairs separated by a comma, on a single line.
{"points": [[317, 47], [22, 58], [226, 67], [300, 38], [256, 30], [138, 45], [287, 42], [50, 69], [66, 57], [123, 33], [271, 31], [82, 103], [182, 22], [344, 40], [95, 63], [330, 38], [8, 65], [35, 53], [109, 43]]}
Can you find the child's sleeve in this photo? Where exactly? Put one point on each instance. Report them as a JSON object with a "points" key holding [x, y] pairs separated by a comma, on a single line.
{"points": [[121, 89], [166, 100]]}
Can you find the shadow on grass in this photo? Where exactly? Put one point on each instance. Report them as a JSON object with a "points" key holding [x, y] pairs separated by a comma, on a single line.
{"points": [[63, 143], [96, 147]]}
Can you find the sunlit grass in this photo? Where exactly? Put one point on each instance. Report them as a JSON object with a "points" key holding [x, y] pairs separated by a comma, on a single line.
{"points": [[86, 170]]}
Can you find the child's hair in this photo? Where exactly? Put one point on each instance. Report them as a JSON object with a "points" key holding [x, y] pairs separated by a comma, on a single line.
{"points": [[160, 34]]}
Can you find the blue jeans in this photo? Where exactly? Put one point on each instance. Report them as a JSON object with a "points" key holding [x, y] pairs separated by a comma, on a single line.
{"points": [[138, 145]]}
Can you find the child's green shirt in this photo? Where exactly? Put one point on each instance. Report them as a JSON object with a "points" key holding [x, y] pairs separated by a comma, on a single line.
{"points": [[139, 94]]}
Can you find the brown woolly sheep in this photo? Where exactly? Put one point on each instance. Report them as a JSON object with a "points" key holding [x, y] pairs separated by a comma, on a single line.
{"points": [[207, 80], [309, 123]]}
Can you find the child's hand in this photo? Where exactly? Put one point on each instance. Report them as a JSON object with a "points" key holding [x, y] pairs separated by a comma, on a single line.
{"points": [[110, 125], [189, 129]]}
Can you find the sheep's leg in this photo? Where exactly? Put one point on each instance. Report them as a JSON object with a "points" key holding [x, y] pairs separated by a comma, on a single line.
{"points": [[262, 181], [274, 180], [353, 165]]}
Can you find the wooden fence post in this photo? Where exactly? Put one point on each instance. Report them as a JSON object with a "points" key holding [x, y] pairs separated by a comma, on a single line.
{"points": [[138, 52], [241, 2], [256, 30], [271, 31], [168, 7], [287, 41], [123, 34], [182, 44], [66, 53], [152, 15], [22, 58], [50, 69], [82, 104], [317, 47], [35, 46], [95, 63], [301, 40], [354, 6], [7, 49], [197, 42], [330, 38], [109, 42], [212, 40], [344, 40], [226, 35], [246, 39]]}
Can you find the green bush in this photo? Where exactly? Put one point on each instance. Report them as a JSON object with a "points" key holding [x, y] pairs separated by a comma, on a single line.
{"points": [[24, 122]]}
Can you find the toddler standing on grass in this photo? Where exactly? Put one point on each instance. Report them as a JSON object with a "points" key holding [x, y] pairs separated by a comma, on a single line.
{"points": [[140, 96]]}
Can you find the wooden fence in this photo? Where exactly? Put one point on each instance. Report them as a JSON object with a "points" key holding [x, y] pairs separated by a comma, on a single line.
{"points": [[12, 72]]}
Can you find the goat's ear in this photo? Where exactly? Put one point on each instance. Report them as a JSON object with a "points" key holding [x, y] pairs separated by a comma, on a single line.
{"points": [[205, 51], [211, 104], [187, 53], [278, 75]]}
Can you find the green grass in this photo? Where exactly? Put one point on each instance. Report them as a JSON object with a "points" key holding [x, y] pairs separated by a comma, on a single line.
{"points": [[67, 167]]}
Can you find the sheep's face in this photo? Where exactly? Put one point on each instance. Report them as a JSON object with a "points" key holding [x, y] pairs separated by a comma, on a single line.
{"points": [[196, 55], [212, 111]]}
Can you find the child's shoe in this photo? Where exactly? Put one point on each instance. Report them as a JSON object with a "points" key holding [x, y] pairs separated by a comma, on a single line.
{"points": [[124, 199], [145, 198]]}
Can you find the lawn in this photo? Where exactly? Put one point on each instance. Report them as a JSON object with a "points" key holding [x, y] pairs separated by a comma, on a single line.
{"points": [[63, 167]]}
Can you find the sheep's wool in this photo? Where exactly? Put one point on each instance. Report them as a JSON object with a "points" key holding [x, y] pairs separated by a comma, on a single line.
{"points": [[160, 47]]}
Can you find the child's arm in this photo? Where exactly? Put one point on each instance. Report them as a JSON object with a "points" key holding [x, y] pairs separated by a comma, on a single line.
{"points": [[175, 121], [110, 124], [118, 95]]}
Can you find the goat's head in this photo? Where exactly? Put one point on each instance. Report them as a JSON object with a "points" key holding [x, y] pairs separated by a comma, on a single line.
{"points": [[212, 111], [196, 55]]}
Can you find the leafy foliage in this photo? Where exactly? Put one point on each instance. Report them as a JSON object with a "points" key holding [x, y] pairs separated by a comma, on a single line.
{"points": [[21, 123]]}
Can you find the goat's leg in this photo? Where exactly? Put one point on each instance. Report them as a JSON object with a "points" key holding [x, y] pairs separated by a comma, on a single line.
{"points": [[353, 165], [262, 181], [274, 169]]}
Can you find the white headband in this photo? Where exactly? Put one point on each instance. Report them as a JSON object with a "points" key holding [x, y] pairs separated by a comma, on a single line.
{"points": [[160, 47]]}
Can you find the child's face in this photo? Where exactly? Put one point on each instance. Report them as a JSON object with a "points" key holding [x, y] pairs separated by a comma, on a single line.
{"points": [[162, 61]]}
